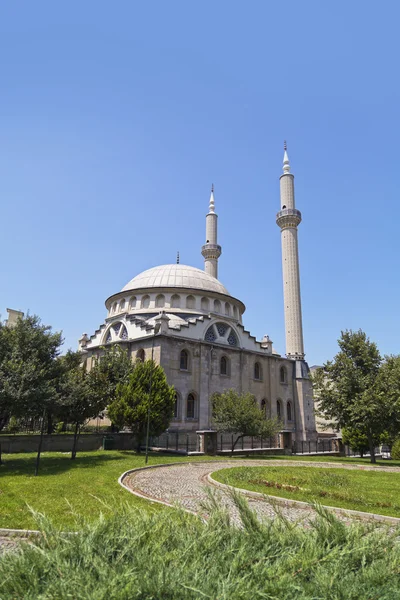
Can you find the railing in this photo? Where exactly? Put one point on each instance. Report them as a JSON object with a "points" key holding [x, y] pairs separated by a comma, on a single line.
{"points": [[315, 447], [226, 441], [288, 212], [177, 441]]}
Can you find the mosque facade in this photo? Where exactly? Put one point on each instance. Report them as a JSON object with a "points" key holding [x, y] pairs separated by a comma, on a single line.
{"points": [[188, 321]]}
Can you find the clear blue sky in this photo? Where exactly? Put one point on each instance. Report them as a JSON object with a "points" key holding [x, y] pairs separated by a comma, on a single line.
{"points": [[116, 117]]}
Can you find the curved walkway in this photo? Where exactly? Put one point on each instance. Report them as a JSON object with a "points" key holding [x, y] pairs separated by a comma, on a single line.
{"points": [[184, 485]]}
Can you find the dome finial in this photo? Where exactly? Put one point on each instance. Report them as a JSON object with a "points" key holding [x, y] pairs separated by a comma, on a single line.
{"points": [[212, 201], [177, 258], [286, 165]]}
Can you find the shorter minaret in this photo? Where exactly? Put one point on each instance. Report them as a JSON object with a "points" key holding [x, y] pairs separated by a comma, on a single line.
{"points": [[288, 218], [211, 250]]}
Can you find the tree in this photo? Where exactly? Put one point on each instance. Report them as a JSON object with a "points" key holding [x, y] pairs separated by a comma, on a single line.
{"points": [[240, 414], [388, 390], [130, 407], [356, 439], [112, 368], [5, 352], [78, 401], [29, 370], [347, 388]]}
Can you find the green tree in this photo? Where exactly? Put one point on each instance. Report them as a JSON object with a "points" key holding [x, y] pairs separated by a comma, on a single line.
{"points": [[5, 353], [77, 400], [29, 370], [347, 388], [239, 414], [356, 439], [130, 407], [388, 390], [112, 368]]}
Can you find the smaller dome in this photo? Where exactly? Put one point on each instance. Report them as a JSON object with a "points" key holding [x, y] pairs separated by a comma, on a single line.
{"points": [[176, 276]]}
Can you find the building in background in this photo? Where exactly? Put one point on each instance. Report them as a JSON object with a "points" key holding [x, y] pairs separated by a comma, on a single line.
{"points": [[201, 341], [13, 316]]}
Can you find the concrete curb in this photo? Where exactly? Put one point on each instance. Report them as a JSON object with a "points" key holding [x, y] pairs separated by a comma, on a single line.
{"points": [[18, 532], [304, 505]]}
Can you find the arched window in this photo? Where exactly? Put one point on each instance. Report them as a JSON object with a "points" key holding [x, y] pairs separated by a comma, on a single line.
{"points": [[132, 302], [217, 306], [205, 304], [175, 301], [160, 301], [289, 411], [257, 371], [123, 334], [184, 360], [176, 406], [114, 308], [122, 304], [264, 406], [190, 302], [227, 309], [283, 375], [235, 312], [117, 327], [221, 332], [145, 301], [278, 409], [140, 355], [210, 336], [224, 366], [190, 407]]}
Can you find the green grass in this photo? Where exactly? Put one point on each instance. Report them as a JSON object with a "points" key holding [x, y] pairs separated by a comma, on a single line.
{"points": [[86, 486], [137, 555], [368, 491]]}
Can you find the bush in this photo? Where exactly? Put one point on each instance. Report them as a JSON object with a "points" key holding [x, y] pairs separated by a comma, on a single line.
{"points": [[395, 453], [60, 427], [172, 555], [13, 426]]}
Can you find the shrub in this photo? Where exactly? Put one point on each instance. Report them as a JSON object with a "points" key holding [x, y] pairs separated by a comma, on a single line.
{"points": [[175, 556], [395, 453], [13, 426], [60, 427]]}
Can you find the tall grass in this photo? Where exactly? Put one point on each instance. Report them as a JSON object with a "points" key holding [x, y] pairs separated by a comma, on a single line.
{"points": [[173, 555]]}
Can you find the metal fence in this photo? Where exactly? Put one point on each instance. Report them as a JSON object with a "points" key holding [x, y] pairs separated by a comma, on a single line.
{"points": [[177, 441], [315, 447], [190, 442], [226, 441]]}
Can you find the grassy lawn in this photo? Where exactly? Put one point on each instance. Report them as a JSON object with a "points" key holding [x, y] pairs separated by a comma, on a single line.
{"points": [[368, 491], [89, 486]]}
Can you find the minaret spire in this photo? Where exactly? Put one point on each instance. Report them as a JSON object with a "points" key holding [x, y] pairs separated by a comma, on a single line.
{"points": [[211, 250], [288, 218], [286, 165]]}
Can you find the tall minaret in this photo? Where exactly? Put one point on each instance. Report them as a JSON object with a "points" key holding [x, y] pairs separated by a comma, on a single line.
{"points": [[211, 250], [288, 218]]}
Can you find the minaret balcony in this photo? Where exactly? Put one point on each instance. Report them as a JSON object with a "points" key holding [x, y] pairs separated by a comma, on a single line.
{"points": [[288, 217], [211, 251]]}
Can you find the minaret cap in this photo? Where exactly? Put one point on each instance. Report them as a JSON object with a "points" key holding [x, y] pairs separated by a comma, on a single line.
{"points": [[211, 208], [286, 165]]}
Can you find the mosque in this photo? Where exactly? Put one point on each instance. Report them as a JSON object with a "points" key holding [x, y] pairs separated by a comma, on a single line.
{"points": [[189, 322]]}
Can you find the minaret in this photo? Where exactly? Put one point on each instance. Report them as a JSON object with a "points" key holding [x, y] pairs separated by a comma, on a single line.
{"points": [[211, 250], [288, 218]]}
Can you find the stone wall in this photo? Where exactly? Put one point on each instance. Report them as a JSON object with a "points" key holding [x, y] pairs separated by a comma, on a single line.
{"points": [[10, 444]]}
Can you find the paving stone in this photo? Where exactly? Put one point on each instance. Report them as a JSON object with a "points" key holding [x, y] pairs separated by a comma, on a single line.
{"points": [[185, 485]]}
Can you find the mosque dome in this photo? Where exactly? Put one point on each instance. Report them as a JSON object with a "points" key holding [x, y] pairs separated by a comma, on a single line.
{"points": [[176, 276]]}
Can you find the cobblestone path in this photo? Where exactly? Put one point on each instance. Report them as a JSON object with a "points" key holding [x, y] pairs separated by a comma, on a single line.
{"points": [[7, 543], [185, 485]]}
